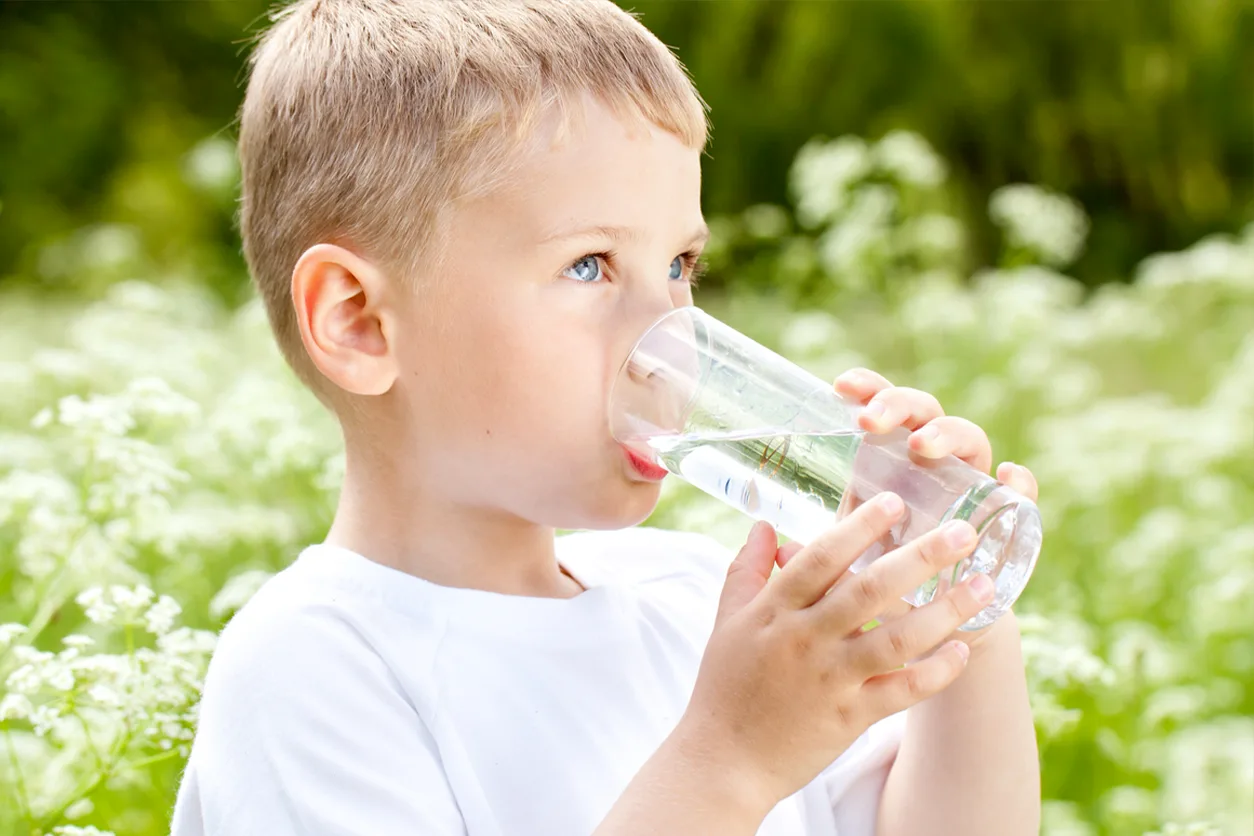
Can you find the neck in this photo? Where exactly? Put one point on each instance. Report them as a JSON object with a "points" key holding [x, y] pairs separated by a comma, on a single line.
{"points": [[394, 522]]}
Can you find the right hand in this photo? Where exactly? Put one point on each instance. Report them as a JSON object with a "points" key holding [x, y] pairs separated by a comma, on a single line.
{"points": [[789, 679]]}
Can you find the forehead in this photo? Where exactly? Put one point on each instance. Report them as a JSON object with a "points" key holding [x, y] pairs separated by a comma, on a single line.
{"points": [[587, 163]]}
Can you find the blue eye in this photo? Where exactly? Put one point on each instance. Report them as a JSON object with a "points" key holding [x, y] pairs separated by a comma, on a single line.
{"points": [[677, 268], [586, 269]]}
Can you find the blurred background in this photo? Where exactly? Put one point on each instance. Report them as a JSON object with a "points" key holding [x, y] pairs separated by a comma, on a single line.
{"points": [[1041, 211]]}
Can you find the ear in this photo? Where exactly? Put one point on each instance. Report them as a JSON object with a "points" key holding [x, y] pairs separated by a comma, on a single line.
{"points": [[339, 300]]}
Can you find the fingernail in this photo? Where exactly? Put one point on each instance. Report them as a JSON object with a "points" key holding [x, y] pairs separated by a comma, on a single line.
{"points": [[958, 533], [890, 502], [928, 434], [982, 586], [963, 651], [855, 376], [875, 409]]}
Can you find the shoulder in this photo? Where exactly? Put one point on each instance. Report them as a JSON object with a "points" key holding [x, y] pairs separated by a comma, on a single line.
{"points": [[304, 639], [288, 637], [308, 706]]}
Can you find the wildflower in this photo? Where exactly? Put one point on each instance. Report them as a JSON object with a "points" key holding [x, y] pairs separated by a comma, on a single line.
{"points": [[75, 830], [910, 158], [1050, 225]]}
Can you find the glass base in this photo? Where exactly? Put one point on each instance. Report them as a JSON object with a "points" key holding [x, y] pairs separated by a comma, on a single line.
{"points": [[1010, 543]]}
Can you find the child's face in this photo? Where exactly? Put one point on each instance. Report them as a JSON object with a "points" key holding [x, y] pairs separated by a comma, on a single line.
{"points": [[507, 366]]}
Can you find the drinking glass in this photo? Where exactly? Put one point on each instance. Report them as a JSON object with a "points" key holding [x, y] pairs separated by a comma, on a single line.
{"points": [[754, 430]]}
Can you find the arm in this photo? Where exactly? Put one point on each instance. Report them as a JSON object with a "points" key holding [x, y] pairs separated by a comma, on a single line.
{"points": [[968, 763], [687, 787]]}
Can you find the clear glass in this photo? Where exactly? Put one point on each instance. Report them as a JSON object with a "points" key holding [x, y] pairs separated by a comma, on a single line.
{"points": [[763, 435]]}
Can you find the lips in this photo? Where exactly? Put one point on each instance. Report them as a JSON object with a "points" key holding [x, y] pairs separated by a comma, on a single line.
{"points": [[643, 466]]}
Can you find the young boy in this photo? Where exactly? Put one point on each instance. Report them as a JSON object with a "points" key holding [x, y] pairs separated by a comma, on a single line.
{"points": [[461, 214]]}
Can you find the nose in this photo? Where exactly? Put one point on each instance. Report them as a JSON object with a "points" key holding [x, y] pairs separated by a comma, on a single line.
{"points": [[643, 368], [666, 352]]}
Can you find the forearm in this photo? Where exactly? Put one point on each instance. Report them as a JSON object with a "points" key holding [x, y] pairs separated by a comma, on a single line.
{"points": [[968, 763], [687, 787]]}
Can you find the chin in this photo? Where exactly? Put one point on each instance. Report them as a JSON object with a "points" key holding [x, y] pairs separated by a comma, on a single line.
{"points": [[621, 508]]}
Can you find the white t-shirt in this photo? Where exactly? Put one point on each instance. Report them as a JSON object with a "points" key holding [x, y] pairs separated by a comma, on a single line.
{"points": [[347, 697]]}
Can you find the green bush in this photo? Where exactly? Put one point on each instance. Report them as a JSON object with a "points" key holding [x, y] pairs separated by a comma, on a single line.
{"points": [[1141, 110], [158, 462]]}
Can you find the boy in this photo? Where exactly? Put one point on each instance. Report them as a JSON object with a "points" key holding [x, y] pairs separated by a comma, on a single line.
{"points": [[460, 214]]}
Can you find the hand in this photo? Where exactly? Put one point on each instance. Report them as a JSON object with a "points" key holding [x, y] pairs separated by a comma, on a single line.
{"points": [[789, 679], [935, 435]]}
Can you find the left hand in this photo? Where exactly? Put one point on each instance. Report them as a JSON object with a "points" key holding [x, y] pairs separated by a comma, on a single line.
{"points": [[934, 435]]}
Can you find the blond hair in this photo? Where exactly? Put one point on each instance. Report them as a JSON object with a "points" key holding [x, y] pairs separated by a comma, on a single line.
{"points": [[364, 118]]}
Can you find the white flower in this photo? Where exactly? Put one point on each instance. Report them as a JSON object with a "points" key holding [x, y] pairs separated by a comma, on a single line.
{"points": [[75, 830], [25, 679], [1051, 225], [331, 477], [908, 156], [160, 617], [97, 609], [142, 297], [937, 304], [8, 632], [14, 707], [859, 236], [106, 695], [60, 366], [1191, 829], [822, 173], [1062, 818], [152, 397], [236, 591], [97, 414], [58, 675], [131, 600], [186, 642], [44, 718]]}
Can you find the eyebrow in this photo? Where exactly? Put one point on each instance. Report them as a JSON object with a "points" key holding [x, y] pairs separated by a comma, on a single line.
{"points": [[621, 233]]}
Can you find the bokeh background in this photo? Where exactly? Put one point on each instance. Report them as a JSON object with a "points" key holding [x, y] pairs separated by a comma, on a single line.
{"points": [[1041, 211]]}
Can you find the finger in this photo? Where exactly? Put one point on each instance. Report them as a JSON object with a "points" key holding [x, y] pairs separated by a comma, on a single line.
{"points": [[900, 689], [897, 407], [953, 436], [1018, 478], [749, 571], [861, 384], [894, 609], [898, 573], [816, 567], [892, 645], [786, 553]]}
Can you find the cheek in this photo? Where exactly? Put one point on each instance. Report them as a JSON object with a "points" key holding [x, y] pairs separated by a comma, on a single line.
{"points": [[536, 383]]}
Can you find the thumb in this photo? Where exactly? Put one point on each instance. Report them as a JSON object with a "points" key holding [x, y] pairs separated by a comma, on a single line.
{"points": [[749, 572]]}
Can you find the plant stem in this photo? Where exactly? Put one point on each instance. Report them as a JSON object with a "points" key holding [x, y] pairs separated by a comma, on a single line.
{"points": [[48, 821], [91, 744], [149, 761], [22, 798]]}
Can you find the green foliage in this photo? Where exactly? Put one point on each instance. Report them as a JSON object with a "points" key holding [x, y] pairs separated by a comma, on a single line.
{"points": [[158, 462], [1138, 109]]}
